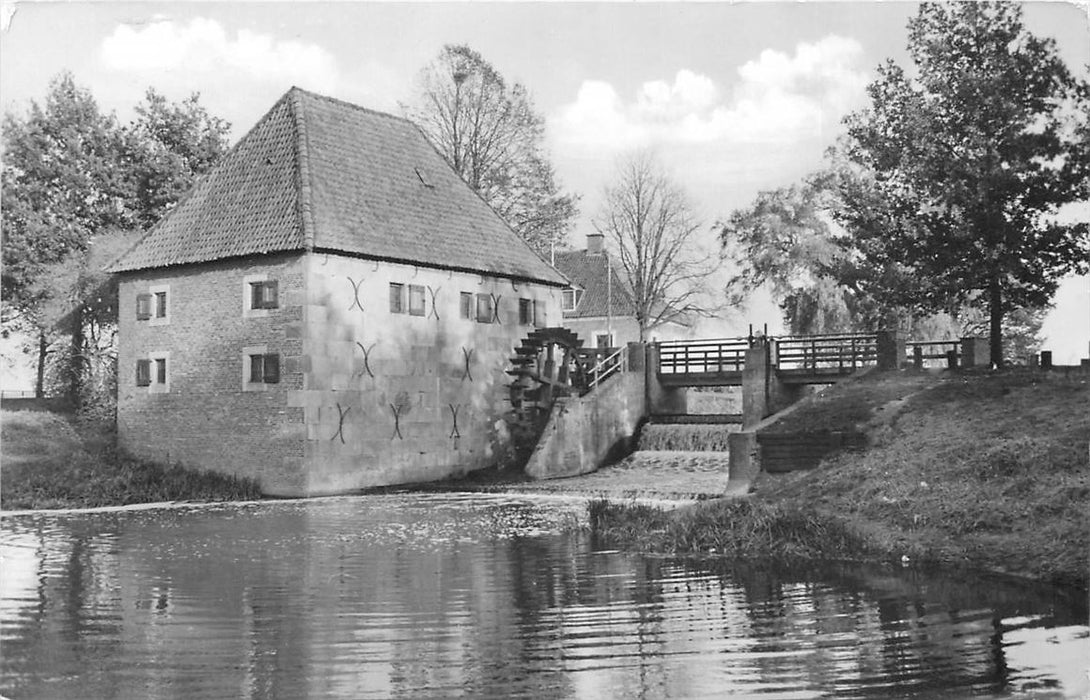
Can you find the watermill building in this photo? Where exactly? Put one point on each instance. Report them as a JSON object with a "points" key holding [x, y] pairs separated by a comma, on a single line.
{"points": [[330, 309]]}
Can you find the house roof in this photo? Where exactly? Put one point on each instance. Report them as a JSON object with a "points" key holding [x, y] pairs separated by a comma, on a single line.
{"points": [[589, 271], [316, 173]]}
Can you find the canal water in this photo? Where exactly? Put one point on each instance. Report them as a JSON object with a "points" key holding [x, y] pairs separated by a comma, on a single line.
{"points": [[439, 596]]}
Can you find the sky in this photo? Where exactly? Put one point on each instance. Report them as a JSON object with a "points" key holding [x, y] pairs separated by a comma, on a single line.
{"points": [[734, 98]]}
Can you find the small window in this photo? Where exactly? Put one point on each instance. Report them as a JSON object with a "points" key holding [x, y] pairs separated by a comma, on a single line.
{"points": [[466, 305], [603, 340], [143, 307], [143, 372], [485, 310], [160, 370], [264, 295], [397, 298], [569, 300], [416, 300], [265, 368], [526, 312], [160, 305]]}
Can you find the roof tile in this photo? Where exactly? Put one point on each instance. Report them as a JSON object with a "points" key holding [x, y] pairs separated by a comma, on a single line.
{"points": [[319, 173]]}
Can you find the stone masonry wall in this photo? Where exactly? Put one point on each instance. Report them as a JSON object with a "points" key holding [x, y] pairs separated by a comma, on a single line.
{"points": [[392, 398], [206, 418]]}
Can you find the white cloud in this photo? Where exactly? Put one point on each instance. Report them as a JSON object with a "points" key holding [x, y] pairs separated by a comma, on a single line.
{"points": [[778, 99], [203, 46]]}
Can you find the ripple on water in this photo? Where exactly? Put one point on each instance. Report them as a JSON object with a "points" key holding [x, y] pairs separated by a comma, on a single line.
{"points": [[450, 595]]}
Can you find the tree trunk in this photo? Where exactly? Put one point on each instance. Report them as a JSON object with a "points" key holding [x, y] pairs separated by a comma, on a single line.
{"points": [[75, 359], [43, 350], [995, 307]]}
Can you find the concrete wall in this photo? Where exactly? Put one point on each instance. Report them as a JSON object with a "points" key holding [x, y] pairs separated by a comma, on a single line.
{"points": [[661, 400], [203, 417], [366, 397], [393, 398], [763, 394], [586, 432]]}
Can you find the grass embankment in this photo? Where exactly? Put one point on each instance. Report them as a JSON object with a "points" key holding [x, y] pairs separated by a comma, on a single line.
{"points": [[985, 470], [51, 460]]}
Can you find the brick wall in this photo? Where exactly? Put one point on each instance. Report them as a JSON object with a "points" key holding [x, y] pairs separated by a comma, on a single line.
{"points": [[392, 398], [207, 419], [366, 397]]}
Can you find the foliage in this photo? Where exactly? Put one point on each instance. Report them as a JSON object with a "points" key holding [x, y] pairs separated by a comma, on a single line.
{"points": [[651, 223], [785, 240], [73, 177], [178, 142], [985, 469], [66, 175], [492, 137], [791, 240], [736, 528], [970, 160]]}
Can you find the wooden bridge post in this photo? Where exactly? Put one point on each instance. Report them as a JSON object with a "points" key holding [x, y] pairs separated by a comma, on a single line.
{"points": [[975, 352], [891, 348]]}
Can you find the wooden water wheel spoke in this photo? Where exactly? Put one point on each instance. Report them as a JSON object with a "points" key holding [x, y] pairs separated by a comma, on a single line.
{"points": [[545, 366]]}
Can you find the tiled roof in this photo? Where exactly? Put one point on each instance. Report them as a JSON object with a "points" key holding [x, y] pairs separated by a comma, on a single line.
{"points": [[588, 271], [317, 173]]}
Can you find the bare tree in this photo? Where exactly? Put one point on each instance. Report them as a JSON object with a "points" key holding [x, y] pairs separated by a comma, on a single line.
{"points": [[492, 137], [651, 223]]}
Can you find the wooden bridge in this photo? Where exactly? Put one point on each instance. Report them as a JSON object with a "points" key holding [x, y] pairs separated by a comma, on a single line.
{"points": [[803, 359]]}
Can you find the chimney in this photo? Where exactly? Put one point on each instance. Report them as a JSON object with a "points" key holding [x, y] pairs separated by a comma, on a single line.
{"points": [[595, 242]]}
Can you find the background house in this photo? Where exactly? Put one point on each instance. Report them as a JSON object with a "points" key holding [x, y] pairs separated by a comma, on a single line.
{"points": [[598, 304], [330, 309]]}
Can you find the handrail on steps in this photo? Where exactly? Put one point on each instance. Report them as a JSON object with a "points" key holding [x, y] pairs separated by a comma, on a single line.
{"points": [[608, 366]]}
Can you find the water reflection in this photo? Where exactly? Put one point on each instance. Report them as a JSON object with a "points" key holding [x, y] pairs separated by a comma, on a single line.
{"points": [[442, 596]]}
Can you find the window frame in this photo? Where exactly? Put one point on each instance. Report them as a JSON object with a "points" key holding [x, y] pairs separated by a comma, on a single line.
{"points": [[466, 306], [248, 294], [416, 290], [157, 292], [397, 298], [527, 312], [249, 361], [259, 300], [143, 372], [143, 306], [489, 304], [576, 297], [160, 370]]}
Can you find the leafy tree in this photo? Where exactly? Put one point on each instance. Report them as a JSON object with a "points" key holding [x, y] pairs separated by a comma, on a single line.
{"points": [[492, 137], [63, 179], [971, 159], [177, 142], [651, 223], [72, 174], [785, 240]]}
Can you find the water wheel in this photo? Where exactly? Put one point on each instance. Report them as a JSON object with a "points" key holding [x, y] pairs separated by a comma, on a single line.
{"points": [[546, 365]]}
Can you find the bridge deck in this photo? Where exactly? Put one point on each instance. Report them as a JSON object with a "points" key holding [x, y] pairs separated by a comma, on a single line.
{"points": [[680, 379]]}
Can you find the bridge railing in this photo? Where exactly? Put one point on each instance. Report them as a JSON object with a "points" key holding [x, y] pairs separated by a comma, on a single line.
{"points": [[924, 353], [844, 352], [610, 364], [703, 356]]}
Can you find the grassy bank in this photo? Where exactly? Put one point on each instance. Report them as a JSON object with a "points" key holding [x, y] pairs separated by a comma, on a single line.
{"points": [[981, 470], [52, 461]]}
